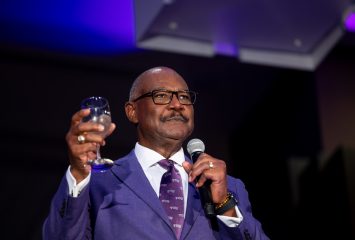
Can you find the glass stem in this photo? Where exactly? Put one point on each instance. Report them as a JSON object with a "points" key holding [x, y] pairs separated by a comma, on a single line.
{"points": [[98, 155]]}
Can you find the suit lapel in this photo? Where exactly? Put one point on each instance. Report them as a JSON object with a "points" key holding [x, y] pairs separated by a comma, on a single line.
{"points": [[131, 174], [193, 210]]}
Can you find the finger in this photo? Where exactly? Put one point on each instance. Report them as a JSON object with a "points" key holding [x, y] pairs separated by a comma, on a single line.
{"points": [[93, 137], [201, 159], [91, 155], [88, 127], [81, 154], [97, 137], [79, 115], [85, 157], [201, 180], [88, 137], [198, 169], [187, 166], [84, 148], [111, 129]]}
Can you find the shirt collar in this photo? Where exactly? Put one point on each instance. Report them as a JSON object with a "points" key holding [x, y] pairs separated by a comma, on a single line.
{"points": [[148, 157]]}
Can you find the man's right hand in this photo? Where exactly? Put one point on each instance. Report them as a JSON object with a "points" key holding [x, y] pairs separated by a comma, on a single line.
{"points": [[80, 153]]}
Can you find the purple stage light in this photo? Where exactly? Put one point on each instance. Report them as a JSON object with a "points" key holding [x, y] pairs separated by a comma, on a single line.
{"points": [[109, 17], [225, 48], [350, 22]]}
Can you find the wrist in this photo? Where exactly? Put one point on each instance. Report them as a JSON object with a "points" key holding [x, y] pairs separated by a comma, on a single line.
{"points": [[79, 174], [226, 206]]}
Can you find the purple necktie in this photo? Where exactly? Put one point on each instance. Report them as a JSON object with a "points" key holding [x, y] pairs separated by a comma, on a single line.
{"points": [[171, 195]]}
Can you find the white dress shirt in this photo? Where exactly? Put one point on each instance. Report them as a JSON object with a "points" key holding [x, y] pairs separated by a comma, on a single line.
{"points": [[148, 159]]}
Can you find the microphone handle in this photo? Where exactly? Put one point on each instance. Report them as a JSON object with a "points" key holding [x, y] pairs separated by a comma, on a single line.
{"points": [[205, 191]]}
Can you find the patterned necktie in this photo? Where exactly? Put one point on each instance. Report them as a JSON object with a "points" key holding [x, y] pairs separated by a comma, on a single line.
{"points": [[171, 195]]}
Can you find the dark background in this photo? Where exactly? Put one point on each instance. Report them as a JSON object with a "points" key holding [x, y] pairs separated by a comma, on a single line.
{"points": [[288, 134]]}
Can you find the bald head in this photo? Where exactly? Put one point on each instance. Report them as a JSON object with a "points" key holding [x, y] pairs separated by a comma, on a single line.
{"points": [[147, 76]]}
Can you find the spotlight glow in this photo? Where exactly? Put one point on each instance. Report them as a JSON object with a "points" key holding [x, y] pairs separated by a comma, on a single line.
{"points": [[350, 22], [84, 26]]}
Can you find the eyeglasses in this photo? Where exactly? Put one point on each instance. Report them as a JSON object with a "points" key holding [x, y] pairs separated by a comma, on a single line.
{"points": [[163, 97]]}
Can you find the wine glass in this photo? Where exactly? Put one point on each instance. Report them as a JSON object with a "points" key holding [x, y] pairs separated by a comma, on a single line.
{"points": [[99, 113]]}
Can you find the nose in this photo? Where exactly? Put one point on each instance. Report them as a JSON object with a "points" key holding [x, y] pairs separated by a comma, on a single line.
{"points": [[175, 103]]}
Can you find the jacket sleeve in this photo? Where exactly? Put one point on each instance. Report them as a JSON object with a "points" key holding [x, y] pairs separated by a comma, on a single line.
{"points": [[68, 217], [250, 228]]}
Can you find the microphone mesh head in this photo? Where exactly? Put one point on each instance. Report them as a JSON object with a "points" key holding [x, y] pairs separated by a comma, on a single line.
{"points": [[195, 145]]}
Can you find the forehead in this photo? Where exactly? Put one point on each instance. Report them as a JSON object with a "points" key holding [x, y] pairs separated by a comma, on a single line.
{"points": [[167, 79]]}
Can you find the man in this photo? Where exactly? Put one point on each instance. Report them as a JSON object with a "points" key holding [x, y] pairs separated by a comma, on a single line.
{"points": [[127, 202]]}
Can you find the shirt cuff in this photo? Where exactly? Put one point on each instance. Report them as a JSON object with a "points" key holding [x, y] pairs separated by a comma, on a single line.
{"points": [[75, 189], [232, 221]]}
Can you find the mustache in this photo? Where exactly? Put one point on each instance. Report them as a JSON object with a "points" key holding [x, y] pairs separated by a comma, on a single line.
{"points": [[174, 117]]}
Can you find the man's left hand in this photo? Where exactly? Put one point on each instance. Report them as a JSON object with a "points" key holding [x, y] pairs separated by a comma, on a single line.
{"points": [[213, 169]]}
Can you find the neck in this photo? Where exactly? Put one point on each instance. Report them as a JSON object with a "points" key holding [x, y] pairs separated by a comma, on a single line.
{"points": [[165, 149]]}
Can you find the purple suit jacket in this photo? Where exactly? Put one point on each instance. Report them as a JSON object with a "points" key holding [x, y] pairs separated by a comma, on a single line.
{"points": [[121, 204]]}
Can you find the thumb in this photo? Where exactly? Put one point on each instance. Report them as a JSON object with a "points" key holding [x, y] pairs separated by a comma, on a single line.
{"points": [[187, 166]]}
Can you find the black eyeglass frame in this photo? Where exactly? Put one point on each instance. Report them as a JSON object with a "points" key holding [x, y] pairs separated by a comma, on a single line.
{"points": [[193, 96]]}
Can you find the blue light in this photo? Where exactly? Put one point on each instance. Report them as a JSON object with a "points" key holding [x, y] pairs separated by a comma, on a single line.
{"points": [[86, 26]]}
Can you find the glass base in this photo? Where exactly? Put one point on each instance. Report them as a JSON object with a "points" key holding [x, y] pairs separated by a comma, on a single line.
{"points": [[101, 165]]}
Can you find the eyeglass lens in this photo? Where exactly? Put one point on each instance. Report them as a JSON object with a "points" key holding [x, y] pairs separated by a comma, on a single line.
{"points": [[165, 97]]}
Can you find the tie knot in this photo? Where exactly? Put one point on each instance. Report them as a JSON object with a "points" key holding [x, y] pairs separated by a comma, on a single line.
{"points": [[166, 163]]}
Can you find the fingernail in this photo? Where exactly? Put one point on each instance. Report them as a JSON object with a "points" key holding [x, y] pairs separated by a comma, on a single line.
{"points": [[101, 128], [191, 178]]}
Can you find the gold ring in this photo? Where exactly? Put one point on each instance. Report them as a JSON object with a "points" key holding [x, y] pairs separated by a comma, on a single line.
{"points": [[210, 165], [81, 139]]}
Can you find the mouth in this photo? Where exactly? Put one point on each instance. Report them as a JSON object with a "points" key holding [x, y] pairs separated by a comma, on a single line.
{"points": [[175, 117]]}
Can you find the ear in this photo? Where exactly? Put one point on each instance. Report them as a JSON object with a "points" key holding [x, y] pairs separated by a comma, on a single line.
{"points": [[131, 114]]}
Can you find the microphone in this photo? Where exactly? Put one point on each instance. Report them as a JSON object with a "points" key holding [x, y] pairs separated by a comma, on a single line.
{"points": [[195, 147]]}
